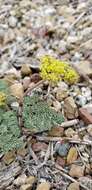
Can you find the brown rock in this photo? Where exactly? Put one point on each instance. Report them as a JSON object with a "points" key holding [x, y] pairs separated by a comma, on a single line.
{"points": [[10, 78], [57, 105], [31, 85], [25, 70], [17, 90], [85, 67], [9, 157], [69, 132], [85, 115], [60, 161], [44, 186], [30, 180], [37, 147], [76, 171], [35, 78], [26, 187], [22, 151], [26, 82], [61, 94], [74, 186], [72, 155], [89, 129], [20, 180], [70, 108], [56, 131]]}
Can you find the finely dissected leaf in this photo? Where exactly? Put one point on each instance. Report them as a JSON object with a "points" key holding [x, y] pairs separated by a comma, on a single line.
{"points": [[4, 87], [38, 116], [9, 132]]}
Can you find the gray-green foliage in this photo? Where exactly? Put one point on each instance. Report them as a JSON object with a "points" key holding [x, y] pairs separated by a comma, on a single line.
{"points": [[38, 116], [9, 131], [4, 87]]}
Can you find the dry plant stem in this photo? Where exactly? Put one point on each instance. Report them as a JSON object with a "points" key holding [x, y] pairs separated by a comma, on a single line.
{"points": [[32, 88], [33, 155], [52, 152], [69, 177], [70, 140], [80, 155], [70, 123], [77, 20], [47, 155]]}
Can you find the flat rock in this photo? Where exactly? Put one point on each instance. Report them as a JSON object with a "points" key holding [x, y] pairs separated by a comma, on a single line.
{"points": [[85, 67], [37, 147], [74, 186], [76, 171], [9, 157], [17, 90], [70, 108], [72, 155], [61, 94], [56, 131], [25, 70], [44, 186], [26, 187], [20, 180]]}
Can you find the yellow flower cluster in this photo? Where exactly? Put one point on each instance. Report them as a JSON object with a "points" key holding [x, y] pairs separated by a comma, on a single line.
{"points": [[2, 99], [55, 70]]}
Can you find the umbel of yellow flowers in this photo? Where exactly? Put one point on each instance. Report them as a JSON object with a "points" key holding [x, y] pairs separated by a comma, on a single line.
{"points": [[2, 99], [55, 70]]}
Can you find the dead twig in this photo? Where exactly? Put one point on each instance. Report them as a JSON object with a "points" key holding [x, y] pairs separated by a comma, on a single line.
{"points": [[47, 155], [70, 123], [70, 140], [69, 177], [32, 88], [33, 155]]}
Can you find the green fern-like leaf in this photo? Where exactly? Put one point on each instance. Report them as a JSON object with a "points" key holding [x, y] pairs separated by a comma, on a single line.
{"points": [[38, 116], [9, 132]]}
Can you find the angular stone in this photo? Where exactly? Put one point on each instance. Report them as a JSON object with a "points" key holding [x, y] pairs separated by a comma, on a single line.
{"points": [[25, 70], [74, 186], [20, 180], [44, 186], [9, 157], [85, 115], [37, 147], [69, 132], [89, 129], [30, 180], [62, 149], [26, 82], [17, 90], [72, 155], [70, 108], [85, 67], [57, 106], [56, 131], [35, 78], [60, 161], [76, 171], [22, 152], [26, 187], [61, 94]]}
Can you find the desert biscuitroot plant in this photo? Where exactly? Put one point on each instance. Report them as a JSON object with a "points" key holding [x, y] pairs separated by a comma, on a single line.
{"points": [[55, 70], [9, 130], [38, 116], [5, 95]]}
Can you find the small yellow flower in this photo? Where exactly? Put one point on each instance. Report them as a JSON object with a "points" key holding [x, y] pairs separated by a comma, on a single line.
{"points": [[2, 99], [55, 70]]}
